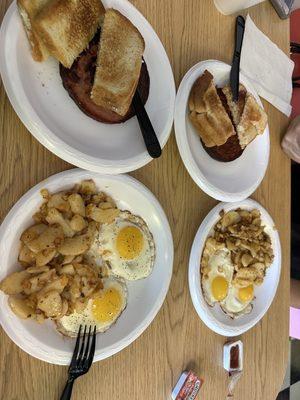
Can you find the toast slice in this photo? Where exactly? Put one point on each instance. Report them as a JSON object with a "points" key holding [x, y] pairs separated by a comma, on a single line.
{"points": [[208, 114], [236, 108], [67, 26], [118, 63], [249, 118], [253, 121], [28, 10]]}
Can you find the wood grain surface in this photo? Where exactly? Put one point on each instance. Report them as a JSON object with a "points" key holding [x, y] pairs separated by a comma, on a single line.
{"points": [[191, 30]]}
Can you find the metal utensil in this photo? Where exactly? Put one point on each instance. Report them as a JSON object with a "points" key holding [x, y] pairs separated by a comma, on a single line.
{"points": [[149, 135], [82, 359], [235, 68]]}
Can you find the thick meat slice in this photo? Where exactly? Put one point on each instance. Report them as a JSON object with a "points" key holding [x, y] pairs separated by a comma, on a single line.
{"points": [[230, 150], [78, 81]]}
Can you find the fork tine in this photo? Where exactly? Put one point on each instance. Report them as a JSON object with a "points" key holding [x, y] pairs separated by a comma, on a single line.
{"points": [[75, 352], [87, 346], [92, 350], [82, 345]]}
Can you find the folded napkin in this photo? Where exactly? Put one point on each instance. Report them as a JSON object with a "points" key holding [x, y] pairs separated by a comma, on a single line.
{"points": [[291, 141], [267, 68]]}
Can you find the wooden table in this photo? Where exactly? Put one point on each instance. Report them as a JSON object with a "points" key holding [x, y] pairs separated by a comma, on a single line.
{"points": [[191, 30]]}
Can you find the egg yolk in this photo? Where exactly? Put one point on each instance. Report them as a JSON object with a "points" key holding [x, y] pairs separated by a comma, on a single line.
{"points": [[246, 294], [219, 288], [107, 307], [130, 242]]}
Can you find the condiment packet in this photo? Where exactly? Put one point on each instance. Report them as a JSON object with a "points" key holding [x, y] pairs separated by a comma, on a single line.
{"points": [[233, 363], [187, 386]]}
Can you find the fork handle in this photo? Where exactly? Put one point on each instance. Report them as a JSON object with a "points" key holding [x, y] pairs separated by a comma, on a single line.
{"points": [[67, 393]]}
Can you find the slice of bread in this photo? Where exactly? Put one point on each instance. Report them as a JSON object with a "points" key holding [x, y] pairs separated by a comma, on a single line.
{"points": [[236, 108], [67, 26], [249, 118], [28, 10], [207, 112], [118, 64], [196, 99], [253, 121]]}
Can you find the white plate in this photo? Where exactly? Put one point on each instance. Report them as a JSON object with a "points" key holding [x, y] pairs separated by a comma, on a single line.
{"points": [[145, 297], [44, 106], [233, 181], [214, 317]]}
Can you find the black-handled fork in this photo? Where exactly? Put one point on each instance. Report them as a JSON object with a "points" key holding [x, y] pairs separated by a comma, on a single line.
{"points": [[82, 359]]}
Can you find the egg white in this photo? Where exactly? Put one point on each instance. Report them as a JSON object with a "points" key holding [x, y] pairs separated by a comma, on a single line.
{"points": [[232, 306], [219, 264], [137, 268]]}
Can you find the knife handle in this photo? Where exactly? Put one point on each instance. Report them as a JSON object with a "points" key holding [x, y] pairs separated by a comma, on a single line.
{"points": [[239, 34], [149, 135], [235, 68]]}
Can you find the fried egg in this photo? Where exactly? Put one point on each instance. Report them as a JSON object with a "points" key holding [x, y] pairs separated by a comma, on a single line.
{"points": [[101, 311], [238, 301], [216, 283], [127, 246]]}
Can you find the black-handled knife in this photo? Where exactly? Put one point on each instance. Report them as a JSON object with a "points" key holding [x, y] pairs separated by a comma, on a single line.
{"points": [[149, 135], [235, 68]]}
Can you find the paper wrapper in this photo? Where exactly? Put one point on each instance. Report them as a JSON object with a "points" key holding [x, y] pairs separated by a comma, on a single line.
{"points": [[233, 379]]}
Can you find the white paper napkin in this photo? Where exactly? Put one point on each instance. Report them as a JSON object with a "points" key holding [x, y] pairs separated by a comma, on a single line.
{"points": [[267, 67]]}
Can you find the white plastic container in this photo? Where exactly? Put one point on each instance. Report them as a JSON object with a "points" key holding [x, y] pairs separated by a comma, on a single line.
{"points": [[228, 7]]}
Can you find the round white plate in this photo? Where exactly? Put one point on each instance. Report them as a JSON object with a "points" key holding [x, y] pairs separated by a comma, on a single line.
{"points": [[36, 92], [214, 317], [233, 181], [145, 297]]}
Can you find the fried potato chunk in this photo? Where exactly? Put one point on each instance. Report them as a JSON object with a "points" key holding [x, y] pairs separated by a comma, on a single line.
{"points": [[78, 223], [51, 238], [104, 216], [57, 284], [32, 232], [74, 246], [44, 257], [26, 256], [20, 307], [59, 201], [12, 284], [87, 187], [77, 204], [51, 304], [55, 217]]}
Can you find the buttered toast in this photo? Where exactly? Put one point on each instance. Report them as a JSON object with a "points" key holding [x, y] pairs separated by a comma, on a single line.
{"points": [[67, 26], [28, 9], [118, 63]]}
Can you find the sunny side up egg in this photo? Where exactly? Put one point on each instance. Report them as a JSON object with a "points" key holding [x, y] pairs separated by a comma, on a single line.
{"points": [[216, 283], [101, 311], [217, 286], [238, 301], [127, 246]]}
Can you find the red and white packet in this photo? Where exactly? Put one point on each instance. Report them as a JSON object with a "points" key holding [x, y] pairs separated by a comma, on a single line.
{"points": [[187, 386]]}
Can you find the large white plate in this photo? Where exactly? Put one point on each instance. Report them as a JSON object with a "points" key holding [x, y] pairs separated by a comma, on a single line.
{"points": [[145, 296], [38, 97], [233, 181], [214, 317]]}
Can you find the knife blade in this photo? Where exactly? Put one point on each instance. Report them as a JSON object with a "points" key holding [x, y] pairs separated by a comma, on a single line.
{"points": [[235, 68]]}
